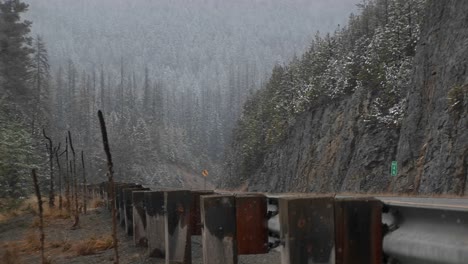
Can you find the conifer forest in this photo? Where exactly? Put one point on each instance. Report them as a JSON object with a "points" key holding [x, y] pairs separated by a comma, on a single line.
{"points": [[234, 131]]}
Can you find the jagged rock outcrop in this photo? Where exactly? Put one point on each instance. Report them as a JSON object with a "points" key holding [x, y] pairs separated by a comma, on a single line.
{"points": [[334, 148], [433, 145]]}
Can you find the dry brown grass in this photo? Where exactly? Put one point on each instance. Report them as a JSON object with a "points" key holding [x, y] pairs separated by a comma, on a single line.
{"points": [[29, 205], [31, 241], [36, 222], [49, 215], [66, 246], [96, 203], [93, 245], [55, 213], [56, 244], [6, 216], [11, 255]]}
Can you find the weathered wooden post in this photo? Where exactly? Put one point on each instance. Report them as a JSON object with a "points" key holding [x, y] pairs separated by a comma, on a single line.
{"points": [[195, 215], [358, 230], [252, 224], [219, 229], [178, 233], [139, 219], [155, 223], [307, 229], [128, 208]]}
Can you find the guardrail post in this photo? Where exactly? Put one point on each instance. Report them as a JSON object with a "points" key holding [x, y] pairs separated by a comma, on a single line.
{"points": [[252, 224], [121, 201], [358, 231], [117, 187], [95, 191], [307, 229], [155, 224], [178, 233], [218, 214], [117, 191], [105, 193], [139, 219], [128, 208], [195, 216]]}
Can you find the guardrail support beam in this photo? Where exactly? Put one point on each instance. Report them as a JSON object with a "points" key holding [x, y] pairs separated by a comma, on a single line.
{"points": [[128, 208], [307, 229], [358, 231], [178, 233], [139, 219], [219, 229], [155, 223], [195, 214], [252, 224]]}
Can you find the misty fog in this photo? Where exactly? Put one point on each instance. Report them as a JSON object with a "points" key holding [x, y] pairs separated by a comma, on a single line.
{"points": [[189, 64]]}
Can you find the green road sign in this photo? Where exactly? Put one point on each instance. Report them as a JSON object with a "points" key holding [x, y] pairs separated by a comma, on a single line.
{"points": [[394, 168]]}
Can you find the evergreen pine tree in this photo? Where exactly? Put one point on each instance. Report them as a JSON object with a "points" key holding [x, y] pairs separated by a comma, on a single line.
{"points": [[15, 49]]}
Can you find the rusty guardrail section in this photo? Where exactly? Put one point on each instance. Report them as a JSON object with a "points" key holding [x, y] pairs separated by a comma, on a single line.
{"points": [[305, 228]]}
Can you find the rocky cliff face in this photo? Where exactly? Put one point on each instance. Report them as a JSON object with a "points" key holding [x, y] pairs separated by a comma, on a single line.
{"points": [[332, 148], [433, 145]]}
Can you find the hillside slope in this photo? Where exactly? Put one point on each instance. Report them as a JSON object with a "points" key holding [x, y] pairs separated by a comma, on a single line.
{"points": [[335, 147], [330, 149]]}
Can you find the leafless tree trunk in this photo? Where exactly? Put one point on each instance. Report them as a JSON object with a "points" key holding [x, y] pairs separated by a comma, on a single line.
{"points": [[57, 159], [77, 212], [41, 219], [67, 178], [50, 148], [110, 174], [84, 183]]}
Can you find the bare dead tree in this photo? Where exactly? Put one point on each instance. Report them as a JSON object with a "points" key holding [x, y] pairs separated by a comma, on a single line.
{"points": [[50, 148], [84, 183], [57, 160], [110, 175], [57, 175], [41, 212], [75, 185], [67, 178], [70, 175], [72, 191]]}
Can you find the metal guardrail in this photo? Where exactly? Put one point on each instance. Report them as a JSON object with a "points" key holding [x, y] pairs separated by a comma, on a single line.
{"points": [[311, 228], [425, 231], [416, 230]]}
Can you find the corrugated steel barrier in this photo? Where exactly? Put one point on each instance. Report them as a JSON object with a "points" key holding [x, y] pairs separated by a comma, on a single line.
{"points": [[305, 228]]}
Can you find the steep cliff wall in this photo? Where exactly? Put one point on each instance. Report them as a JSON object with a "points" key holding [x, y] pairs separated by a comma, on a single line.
{"points": [[333, 148], [433, 145]]}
